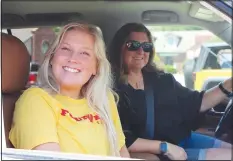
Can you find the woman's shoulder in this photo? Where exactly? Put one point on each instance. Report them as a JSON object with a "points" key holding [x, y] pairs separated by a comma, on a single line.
{"points": [[34, 93], [158, 75], [33, 104], [160, 78], [35, 99]]}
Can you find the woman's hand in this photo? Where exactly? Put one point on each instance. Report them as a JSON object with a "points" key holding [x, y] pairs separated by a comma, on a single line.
{"points": [[175, 152]]}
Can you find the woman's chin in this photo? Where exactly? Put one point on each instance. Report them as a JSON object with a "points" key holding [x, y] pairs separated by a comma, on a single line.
{"points": [[71, 85], [137, 67]]}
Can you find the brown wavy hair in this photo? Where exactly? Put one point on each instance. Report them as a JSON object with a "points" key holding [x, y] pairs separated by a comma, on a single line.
{"points": [[115, 56]]}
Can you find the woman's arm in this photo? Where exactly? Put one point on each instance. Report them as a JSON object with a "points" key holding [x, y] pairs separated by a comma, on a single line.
{"points": [[48, 147], [214, 96], [193, 102], [124, 152], [144, 145], [174, 152], [34, 122]]}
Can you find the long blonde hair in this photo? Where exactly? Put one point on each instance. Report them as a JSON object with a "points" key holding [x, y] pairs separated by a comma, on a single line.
{"points": [[100, 83]]}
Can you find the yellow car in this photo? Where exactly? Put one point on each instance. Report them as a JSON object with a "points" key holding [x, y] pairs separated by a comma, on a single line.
{"points": [[212, 66]]}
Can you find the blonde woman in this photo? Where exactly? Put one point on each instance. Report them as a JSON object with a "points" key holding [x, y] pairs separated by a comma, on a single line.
{"points": [[73, 108]]}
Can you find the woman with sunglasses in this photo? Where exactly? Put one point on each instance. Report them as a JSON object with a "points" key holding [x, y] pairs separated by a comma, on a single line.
{"points": [[157, 113]]}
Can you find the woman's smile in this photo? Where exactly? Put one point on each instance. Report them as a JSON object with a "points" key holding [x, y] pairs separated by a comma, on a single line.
{"points": [[138, 58], [72, 70]]}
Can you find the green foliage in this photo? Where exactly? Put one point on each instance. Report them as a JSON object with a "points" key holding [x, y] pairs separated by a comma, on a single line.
{"points": [[170, 69], [215, 39], [156, 58], [158, 62], [56, 29]]}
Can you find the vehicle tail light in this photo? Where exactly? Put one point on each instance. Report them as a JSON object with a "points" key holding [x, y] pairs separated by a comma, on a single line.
{"points": [[32, 78], [194, 76]]}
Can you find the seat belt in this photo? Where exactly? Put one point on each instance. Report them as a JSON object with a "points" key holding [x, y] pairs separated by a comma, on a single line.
{"points": [[150, 121]]}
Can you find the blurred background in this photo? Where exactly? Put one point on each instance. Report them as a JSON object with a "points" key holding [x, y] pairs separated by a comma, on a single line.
{"points": [[177, 48]]}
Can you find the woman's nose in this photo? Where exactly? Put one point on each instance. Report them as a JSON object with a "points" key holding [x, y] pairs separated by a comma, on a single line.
{"points": [[72, 61], [73, 58], [140, 50]]}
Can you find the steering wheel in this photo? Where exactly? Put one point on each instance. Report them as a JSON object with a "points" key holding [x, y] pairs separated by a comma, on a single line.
{"points": [[225, 122]]}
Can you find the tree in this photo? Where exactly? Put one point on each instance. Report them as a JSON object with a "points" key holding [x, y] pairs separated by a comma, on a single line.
{"points": [[56, 29], [215, 39], [158, 61]]}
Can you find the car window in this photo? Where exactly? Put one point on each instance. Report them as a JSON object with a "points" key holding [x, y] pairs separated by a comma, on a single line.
{"points": [[177, 46], [212, 62], [186, 51]]}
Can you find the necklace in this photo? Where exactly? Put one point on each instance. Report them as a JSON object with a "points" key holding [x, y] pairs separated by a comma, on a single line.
{"points": [[137, 84]]}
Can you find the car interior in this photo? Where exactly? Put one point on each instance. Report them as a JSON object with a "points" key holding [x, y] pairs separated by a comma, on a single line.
{"points": [[109, 16]]}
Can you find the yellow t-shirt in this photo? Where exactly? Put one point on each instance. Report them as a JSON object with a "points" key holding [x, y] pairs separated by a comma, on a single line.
{"points": [[41, 118]]}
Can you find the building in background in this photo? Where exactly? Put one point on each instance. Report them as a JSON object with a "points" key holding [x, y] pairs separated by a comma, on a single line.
{"points": [[174, 47], [41, 40]]}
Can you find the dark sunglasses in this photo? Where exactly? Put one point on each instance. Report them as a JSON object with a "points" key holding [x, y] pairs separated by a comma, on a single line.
{"points": [[133, 45]]}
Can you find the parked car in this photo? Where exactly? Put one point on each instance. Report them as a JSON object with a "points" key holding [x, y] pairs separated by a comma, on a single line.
{"points": [[210, 68]]}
